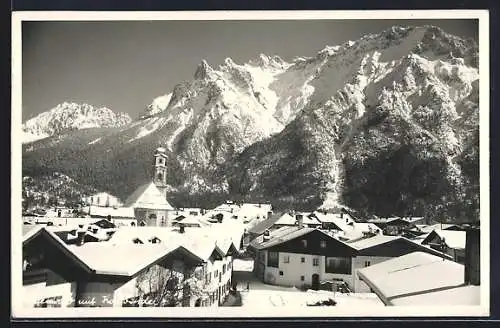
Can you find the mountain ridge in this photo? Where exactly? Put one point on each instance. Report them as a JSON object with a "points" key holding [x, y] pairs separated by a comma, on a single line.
{"points": [[302, 130]]}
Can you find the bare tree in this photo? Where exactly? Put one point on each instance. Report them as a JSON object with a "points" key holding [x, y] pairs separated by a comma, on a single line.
{"points": [[167, 287]]}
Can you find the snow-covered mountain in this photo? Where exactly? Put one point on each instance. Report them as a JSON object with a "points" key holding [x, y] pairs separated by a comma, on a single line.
{"points": [[69, 116], [309, 131]]}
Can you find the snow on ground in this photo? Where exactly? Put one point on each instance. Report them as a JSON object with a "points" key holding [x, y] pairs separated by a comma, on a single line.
{"points": [[262, 295], [291, 297]]}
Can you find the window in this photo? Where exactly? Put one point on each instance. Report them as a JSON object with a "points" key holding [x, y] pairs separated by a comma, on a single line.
{"points": [[304, 243], [223, 269], [302, 260], [322, 244], [273, 259], [340, 265], [302, 278], [286, 259], [216, 273], [367, 263], [281, 273], [315, 262]]}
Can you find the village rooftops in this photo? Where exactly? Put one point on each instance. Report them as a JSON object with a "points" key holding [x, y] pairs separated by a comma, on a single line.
{"points": [[106, 258], [420, 279], [200, 238]]}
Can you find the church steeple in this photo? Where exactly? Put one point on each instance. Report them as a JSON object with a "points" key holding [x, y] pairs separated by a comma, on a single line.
{"points": [[160, 170]]}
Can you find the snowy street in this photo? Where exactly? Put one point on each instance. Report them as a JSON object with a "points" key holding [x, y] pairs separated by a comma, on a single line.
{"points": [[263, 295]]}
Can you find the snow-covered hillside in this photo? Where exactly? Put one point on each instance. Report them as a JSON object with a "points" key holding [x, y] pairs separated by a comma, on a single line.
{"points": [[69, 116]]}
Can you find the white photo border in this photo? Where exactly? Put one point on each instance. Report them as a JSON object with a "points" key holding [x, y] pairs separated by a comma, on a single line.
{"points": [[18, 311]]}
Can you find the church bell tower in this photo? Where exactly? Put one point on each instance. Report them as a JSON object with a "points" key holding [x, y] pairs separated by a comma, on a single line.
{"points": [[160, 170]]}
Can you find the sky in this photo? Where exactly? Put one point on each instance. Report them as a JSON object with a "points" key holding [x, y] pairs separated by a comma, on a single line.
{"points": [[124, 65]]}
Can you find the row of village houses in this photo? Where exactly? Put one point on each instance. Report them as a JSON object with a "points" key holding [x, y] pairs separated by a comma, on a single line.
{"points": [[135, 266], [288, 250]]}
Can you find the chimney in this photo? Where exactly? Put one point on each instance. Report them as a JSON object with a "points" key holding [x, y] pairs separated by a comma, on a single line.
{"points": [[472, 272], [341, 214], [299, 219], [181, 228], [81, 238], [266, 236]]}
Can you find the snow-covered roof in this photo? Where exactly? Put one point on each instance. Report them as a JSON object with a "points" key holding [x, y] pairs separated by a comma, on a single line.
{"points": [[387, 220], [264, 225], [103, 199], [111, 257], [27, 228], [286, 219], [192, 220], [122, 212], [285, 234], [148, 196], [372, 241], [309, 219], [199, 240], [279, 237], [419, 279], [414, 219], [232, 208], [438, 226], [328, 217], [453, 239]]}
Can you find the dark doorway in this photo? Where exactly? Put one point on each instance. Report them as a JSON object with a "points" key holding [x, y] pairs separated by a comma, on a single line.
{"points": [[315, 282]]}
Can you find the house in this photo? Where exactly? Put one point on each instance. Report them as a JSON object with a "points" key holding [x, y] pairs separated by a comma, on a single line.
{"points": [[302, 256], [225, 238], [278, 220], [194, 211], [391, 226], [119, 216], [189, 221], [249, 212], [103, 199], [426, 229], [57, 274], [380, 248], [420, 279], [345, 226], [150, 207], [449, 241]]}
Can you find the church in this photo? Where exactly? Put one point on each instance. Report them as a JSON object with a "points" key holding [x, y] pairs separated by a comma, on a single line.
{"points": [[149, 200]]}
